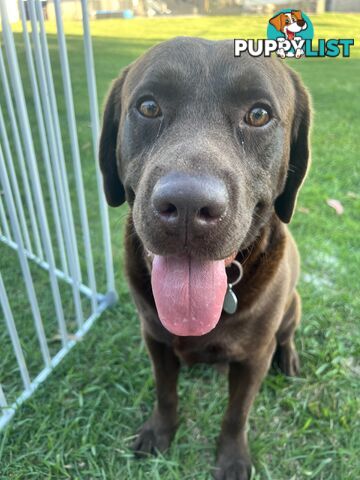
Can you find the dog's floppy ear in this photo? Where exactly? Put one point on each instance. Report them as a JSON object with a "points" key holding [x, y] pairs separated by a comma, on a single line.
{"points": [[297, 14], [114, 189], [277, 22], [299, 152]]}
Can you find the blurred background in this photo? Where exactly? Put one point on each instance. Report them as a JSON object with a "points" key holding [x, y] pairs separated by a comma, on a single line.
{"points": [[128, 8]]}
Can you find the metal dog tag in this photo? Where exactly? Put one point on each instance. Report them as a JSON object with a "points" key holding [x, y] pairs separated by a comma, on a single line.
{"points": [[230, 301]]}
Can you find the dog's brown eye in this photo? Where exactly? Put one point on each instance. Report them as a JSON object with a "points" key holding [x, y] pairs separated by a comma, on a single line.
{"points": [[257, 117], [149, 108], [287, 21]]}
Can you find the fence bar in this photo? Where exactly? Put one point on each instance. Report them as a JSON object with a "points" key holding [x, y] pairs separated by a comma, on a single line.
{"points": [[23, 261], [24, 226], [41, 46], [20, 157], [4, 222], [83, 288], [60, 176], [94, 115], [75, 149], [10, 410], [14, 182], [43, 140], [3, 402], [9, 319], [39, 200]]}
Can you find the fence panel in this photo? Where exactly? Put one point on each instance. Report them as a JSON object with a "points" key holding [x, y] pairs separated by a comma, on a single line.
{"points": [[49, 293]]}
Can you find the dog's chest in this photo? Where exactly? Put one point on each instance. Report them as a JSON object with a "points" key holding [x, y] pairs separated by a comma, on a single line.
{"points": [[193, 350], [190, 355]]}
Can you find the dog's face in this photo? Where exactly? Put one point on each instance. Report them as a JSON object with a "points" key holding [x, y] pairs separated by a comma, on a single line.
{"points": [[204, 146], [289, 23]]}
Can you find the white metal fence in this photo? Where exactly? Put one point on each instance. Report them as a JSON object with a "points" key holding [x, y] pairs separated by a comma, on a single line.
{"points": [[44, 224]]}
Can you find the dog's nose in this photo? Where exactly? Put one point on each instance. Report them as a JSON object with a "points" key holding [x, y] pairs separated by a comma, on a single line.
{"points": [[196, 201], [301, 23]]}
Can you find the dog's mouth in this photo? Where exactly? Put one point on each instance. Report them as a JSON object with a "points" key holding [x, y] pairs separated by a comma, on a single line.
{"points": [[290, 34], [189, 293]]}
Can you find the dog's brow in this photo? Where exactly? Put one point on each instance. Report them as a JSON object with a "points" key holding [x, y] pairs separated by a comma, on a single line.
{"points": [[165, 74], [244, 91], [165, 81], [253, 91]]}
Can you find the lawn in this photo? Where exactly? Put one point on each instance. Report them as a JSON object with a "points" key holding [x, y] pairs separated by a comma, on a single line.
{"points": [[81, 423]]}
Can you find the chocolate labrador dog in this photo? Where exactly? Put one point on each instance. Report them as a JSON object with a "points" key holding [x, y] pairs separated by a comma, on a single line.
{"points": [[209, 151]]}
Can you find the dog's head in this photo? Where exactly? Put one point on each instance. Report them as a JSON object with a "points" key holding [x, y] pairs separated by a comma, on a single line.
{"points": [[204, 146], [289, 23]]}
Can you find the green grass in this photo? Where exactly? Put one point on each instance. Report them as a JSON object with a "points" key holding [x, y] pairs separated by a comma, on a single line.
{"points": [[80, 424]]}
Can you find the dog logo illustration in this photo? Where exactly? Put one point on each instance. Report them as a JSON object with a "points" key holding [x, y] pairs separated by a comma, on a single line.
{"points": [[292, 26], [290, 33]]}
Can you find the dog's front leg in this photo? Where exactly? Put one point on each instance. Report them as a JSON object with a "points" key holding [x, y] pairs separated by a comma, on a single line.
{"points": [[281, 51], [157, 433], [245, 378], [299, 52]]}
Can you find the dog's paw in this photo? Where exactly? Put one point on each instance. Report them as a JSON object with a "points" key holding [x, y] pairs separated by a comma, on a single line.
{"points": [[236, 469], [288, 360], [152, 439]]}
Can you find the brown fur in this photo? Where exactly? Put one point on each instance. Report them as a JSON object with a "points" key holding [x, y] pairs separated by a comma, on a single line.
{"points": [[269, 306], [278, 22]]}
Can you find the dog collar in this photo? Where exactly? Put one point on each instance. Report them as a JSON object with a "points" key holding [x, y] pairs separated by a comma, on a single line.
{"points": [[230, 301]]}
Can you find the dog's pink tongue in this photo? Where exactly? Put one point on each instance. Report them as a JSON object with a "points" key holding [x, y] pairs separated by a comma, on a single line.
{"points": [[189, 293]]}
